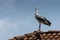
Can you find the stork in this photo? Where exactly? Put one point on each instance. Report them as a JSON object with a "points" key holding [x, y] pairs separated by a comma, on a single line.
{"points": [[41, 19]]}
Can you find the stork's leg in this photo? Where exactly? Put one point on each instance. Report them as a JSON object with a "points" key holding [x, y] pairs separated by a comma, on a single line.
{"points": [[39, 26]]}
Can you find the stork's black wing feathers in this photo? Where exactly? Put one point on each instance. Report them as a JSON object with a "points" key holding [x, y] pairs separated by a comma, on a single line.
{"points": [[49, 23], [43, 19]]}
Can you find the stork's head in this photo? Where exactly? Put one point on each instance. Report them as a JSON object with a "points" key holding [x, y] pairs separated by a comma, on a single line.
{"points": [[36, 11]]}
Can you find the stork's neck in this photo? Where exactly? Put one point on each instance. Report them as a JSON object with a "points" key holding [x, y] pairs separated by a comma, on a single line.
{"points": [[36, 11]]}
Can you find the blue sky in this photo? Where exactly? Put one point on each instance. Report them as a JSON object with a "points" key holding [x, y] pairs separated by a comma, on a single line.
{"points": [[17, 16]]}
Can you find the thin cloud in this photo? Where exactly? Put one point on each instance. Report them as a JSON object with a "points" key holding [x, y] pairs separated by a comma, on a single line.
{"points": [[7, 3]]}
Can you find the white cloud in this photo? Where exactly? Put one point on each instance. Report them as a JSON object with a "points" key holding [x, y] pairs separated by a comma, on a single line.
{"points": [[7, 26]]}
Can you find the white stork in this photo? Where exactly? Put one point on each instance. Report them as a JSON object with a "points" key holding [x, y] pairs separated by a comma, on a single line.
{"points": [[41, 19]]}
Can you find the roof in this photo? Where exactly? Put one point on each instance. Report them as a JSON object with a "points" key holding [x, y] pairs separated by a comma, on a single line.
{"points": [[50, 35]]}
